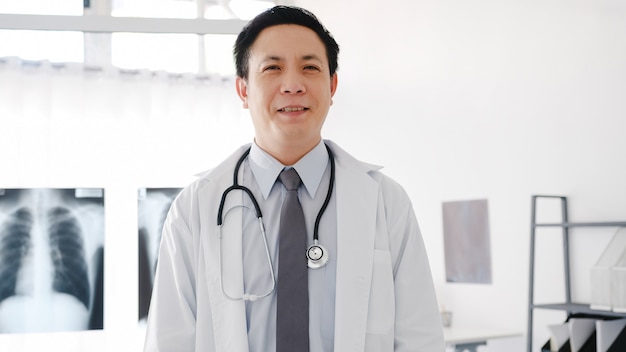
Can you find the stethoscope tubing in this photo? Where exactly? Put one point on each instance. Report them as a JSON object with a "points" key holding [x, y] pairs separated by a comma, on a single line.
{"points": [[329, 194], [220, 217], [257, 208], [245, 296]]}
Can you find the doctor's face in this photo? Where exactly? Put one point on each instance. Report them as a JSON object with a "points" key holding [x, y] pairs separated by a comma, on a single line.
{"points": [[289, 88]]}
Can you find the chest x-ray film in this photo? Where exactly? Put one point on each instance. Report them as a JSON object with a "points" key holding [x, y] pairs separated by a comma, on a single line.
{"points": [[153, 205], [466, 241], [51, 259]]}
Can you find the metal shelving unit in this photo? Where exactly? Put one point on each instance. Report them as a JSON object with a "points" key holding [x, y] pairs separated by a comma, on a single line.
{"points": [[567, 306]]}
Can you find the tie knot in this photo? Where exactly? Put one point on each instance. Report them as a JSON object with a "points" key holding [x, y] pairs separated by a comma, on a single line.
{"points": [[290, 179]]}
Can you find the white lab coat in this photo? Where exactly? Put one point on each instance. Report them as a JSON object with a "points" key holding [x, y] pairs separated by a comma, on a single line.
{"points": [[385, 300]]}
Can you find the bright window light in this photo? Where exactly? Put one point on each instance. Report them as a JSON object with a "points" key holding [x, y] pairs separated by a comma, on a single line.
{"points": [[218, 12], [177, 53], [42, 45], [214, 9], [38, 7], [154, 8], [219, 54], [170, 52], [247, 9]]}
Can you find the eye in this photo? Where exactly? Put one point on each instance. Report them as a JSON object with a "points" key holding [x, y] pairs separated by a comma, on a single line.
{"points": [[271, 68], [311, 68]]}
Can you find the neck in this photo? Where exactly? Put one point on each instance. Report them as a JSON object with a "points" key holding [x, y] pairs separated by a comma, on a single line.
{"points": [[288, 154]]}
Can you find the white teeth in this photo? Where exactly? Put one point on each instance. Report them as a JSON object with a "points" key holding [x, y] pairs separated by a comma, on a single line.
{"points": [[292, 109]]}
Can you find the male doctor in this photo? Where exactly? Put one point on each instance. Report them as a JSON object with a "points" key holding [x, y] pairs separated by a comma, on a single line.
{"points": [[219, 292]]}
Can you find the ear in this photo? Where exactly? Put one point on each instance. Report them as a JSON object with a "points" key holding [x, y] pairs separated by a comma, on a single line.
{"points": [[333, 87], [242, 90]]}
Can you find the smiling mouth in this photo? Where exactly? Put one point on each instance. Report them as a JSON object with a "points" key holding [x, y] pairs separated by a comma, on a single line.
{"points": [[293, 109]]}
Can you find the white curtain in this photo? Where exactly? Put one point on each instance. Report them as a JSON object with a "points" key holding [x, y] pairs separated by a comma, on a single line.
{"points": [[68, 124], [71, 126]]}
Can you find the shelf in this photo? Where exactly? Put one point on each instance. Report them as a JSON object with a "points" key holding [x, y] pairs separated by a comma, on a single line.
{"points": [[583, 224], [565, 225], [578, 308]]}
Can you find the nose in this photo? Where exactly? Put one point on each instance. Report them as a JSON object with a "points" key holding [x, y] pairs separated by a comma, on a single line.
{"points": [[293, 83]]}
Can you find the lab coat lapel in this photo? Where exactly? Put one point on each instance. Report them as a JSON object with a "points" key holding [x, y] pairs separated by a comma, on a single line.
{"points": [[229, 318], [357, 202]]}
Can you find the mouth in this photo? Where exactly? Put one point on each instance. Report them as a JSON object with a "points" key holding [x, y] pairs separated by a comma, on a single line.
{"points": [[293, 109]]}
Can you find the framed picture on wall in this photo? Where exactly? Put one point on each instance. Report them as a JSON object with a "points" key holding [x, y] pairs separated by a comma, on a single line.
{"points": [[467, 244]]}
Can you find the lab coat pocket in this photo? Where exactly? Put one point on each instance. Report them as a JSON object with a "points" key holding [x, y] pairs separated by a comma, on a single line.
{"points": [[381, 310]]}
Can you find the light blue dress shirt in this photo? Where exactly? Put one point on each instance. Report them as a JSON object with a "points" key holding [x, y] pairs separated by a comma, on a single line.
{"points": [[260, 171]]}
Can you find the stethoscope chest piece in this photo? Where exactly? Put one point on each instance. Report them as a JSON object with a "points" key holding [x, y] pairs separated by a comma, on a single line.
{"points": [[317, 256]]}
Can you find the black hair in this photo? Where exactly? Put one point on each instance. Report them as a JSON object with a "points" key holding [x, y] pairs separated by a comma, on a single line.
{"points": [[276, 16]]}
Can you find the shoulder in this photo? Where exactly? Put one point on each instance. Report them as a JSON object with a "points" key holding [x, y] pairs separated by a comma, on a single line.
{"points": [[347, 163], [226, 166], [208, 181]]}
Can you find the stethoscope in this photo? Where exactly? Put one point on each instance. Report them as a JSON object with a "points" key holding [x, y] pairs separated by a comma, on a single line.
{"points": [[317, 255]]}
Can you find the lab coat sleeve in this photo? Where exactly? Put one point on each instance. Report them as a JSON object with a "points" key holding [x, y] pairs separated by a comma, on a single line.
{"points": [[172, 316], [418, 322]]}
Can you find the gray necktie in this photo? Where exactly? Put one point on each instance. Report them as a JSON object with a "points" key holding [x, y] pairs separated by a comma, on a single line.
{"points": [[292, 314]]}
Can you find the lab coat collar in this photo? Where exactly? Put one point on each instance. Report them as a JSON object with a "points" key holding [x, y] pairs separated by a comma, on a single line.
{"points": [[310, 168], [225, 166], [350, 162], [348, 159]]}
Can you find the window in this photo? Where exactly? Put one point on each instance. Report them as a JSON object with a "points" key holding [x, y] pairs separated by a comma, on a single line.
{"points": [[37, 7], [155, 8], [102, 33], [54, 46], [42, 45], [155, 51], [210, 9]]}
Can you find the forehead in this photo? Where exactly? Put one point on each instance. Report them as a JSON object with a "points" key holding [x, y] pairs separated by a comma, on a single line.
{"points": [[288, 39]]}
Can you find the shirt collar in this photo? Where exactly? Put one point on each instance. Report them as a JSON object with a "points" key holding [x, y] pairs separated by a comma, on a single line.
{"points": [[310, 167]]}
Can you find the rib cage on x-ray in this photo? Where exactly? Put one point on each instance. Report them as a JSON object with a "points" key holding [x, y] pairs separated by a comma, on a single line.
{"points": [[153, 206], [68, 255], [15, 245], [51, 259]]}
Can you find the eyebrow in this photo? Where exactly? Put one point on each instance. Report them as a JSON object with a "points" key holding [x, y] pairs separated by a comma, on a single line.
{"points": [[305, 58]]}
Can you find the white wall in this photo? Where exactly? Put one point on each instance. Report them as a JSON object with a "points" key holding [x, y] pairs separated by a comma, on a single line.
{"points": [[490, 99]]}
